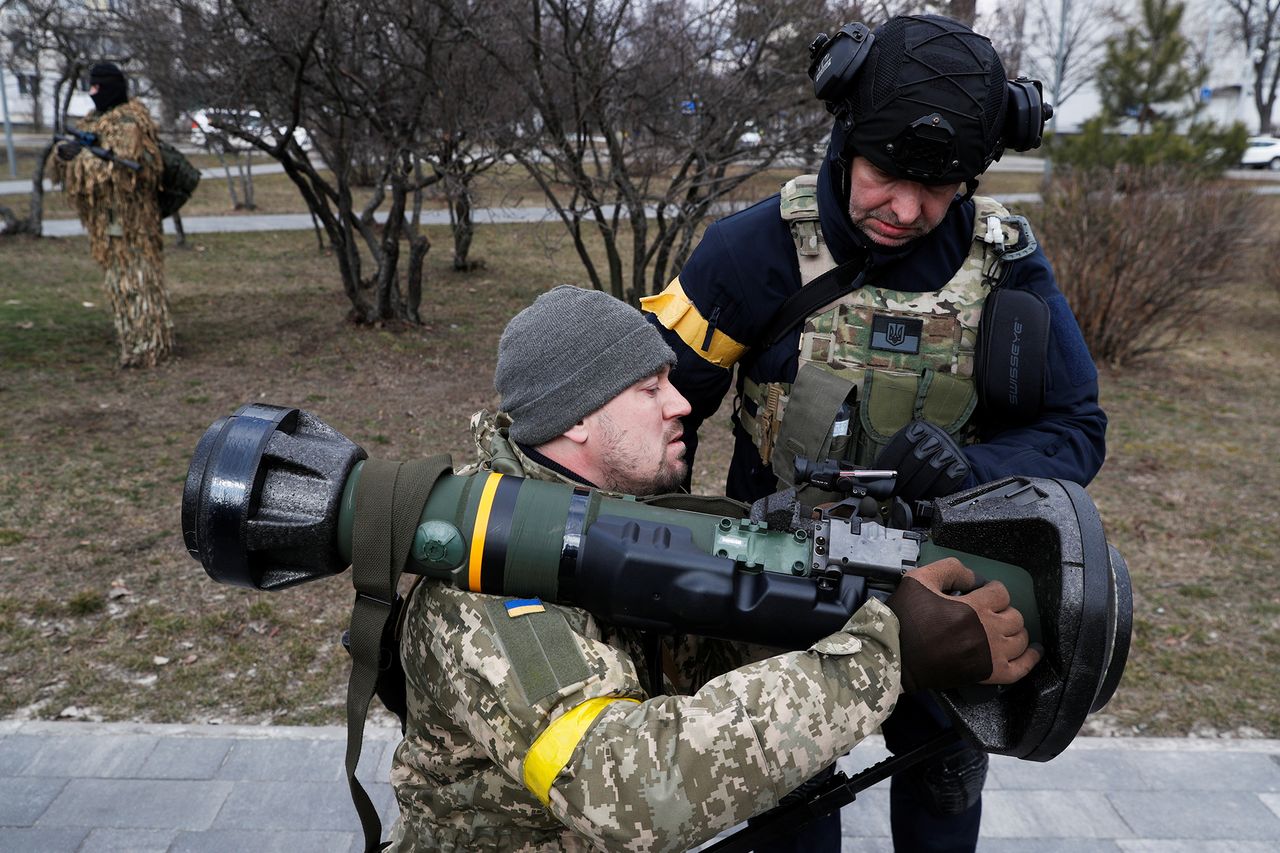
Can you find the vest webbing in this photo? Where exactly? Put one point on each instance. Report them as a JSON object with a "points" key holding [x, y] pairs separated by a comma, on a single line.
{"points": [[389, 501], [799, 209]]}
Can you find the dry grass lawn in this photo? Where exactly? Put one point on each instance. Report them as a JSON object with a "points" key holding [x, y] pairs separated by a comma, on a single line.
{"points": [[103, 614]]}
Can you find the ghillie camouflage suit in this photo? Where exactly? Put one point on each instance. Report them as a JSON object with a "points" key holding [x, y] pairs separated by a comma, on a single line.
{"points": [[534, 731], [118, 208]]}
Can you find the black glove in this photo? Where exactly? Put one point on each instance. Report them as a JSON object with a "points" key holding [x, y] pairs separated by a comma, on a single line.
{"points": [[68, 150], [928, 462]]}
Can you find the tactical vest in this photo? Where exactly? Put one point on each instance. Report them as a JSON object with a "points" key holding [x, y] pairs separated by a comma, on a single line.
{"points": [[877, 358]]}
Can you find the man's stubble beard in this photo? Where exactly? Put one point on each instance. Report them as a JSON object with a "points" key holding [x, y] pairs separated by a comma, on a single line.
{"points": [[626, 473]]}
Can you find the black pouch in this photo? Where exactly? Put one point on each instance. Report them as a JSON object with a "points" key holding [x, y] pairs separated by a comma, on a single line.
{"points": [[1013, 349], [952, 784]]}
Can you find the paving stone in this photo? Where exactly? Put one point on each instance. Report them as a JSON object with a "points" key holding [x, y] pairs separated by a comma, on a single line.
{"points": [[286, 759], [1050, 814], [128, 841], [866, 845], [867, 816], [42, 840], [1046, 845], [285, 805], [90, 756], [22, 801], [141, 803], [1272, 801], [227, 793], [186, 758], [16, 753], [383, 771], [1209, 771], [1080, 770], [391, 810], [1196, 815], [225, 840], [1146, 845]]}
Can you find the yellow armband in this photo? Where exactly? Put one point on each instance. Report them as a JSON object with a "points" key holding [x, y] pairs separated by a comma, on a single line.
{"points": [[674, 311], [552, 749]]}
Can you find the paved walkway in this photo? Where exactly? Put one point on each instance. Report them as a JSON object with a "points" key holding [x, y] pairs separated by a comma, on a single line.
{"points": [[122, 787]]}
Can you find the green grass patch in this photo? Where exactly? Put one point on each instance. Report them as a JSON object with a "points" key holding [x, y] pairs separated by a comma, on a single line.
{"points": [[86, 602]]}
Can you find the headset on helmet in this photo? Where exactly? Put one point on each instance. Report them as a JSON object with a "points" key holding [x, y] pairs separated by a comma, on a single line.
{"points": [[922, 145]]}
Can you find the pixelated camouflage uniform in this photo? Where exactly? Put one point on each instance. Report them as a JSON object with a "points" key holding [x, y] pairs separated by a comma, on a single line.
{"points": [[119, 208], [650, 773]]}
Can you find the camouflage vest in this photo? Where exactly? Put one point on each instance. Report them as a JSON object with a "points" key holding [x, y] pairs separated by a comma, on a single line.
{"points": [[877, 358]]}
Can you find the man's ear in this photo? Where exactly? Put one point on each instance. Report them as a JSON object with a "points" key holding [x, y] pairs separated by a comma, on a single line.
{"points": [[578, 433]]}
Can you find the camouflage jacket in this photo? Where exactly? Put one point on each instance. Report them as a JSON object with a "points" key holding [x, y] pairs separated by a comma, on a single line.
{"points": [[110, 200], [648, 773]]}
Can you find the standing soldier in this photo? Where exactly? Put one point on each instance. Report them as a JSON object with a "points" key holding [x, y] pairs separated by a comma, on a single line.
{"points": [[118, 206], [881, 314]]}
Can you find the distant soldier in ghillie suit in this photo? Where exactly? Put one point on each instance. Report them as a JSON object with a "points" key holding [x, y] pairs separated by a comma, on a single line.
{"points": [[118, 207], [535, 727]]}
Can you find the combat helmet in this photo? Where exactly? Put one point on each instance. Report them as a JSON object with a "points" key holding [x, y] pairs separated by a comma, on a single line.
{"points": [[925, 98]]}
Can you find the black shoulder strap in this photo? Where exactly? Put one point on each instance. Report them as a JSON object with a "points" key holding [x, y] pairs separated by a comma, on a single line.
{"points": [[823, 290]]}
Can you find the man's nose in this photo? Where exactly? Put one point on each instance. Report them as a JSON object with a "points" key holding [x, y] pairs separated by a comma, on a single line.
{"points": [[675, 405], [907, 202]]}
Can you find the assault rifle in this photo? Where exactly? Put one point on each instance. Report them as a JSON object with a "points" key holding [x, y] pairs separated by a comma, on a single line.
{"points": [[89, 140], [275, 497]]}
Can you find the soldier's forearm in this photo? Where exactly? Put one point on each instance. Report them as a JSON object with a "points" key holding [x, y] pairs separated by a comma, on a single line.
{"points": [[676, 770]]}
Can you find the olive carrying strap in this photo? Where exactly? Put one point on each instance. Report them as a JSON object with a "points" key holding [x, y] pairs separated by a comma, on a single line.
{"points": [[389, 500], [819, 293]]}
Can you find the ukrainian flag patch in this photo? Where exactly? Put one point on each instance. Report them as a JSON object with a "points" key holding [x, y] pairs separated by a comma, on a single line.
{"points": [[524, 606]]}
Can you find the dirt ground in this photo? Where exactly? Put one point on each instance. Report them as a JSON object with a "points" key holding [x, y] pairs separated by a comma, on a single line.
{"points": [[104, 616]]}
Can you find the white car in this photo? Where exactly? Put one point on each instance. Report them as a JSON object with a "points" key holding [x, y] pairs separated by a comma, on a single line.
{"points": [[1263, 152], [203, 133]]}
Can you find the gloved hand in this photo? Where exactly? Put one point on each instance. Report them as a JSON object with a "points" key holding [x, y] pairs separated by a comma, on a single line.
{"points": [[68, 150], [950, 641], [928, 462]]}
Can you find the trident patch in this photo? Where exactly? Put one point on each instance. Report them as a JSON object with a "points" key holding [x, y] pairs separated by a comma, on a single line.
{"points": [[896, 334]]}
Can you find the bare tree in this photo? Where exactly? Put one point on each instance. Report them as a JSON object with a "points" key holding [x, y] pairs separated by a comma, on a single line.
{"points": [[352, 74], [647, 115], [23, 52], [1007, 29], [1258, 23], [1065, 44], [371, 85], [66, 35]]}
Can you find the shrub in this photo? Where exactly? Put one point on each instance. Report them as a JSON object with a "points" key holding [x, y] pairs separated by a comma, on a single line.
{"points": [[1138, 252], [1204, 148]]}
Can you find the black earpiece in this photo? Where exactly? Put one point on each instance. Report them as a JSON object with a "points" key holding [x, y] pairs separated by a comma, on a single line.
{"points": [[1025, 114], [834, 63], [836, 60]]}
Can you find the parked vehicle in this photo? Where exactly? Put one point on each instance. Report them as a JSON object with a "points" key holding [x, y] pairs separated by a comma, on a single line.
{"points": [[205, 134], [1262, 152]]}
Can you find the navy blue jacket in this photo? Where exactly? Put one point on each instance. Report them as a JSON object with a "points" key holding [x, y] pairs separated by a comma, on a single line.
{"points": [[745, 268]]}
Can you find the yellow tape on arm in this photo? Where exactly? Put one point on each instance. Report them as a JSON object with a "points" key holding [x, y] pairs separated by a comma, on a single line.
{"points": [[552, 749], [674, 311]]}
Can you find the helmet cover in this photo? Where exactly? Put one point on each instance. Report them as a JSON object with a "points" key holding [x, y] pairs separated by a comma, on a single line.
{"points": [[929, 104]]}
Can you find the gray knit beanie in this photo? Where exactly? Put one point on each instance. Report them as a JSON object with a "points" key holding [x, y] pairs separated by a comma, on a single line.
{"points": [[569, 353]]}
